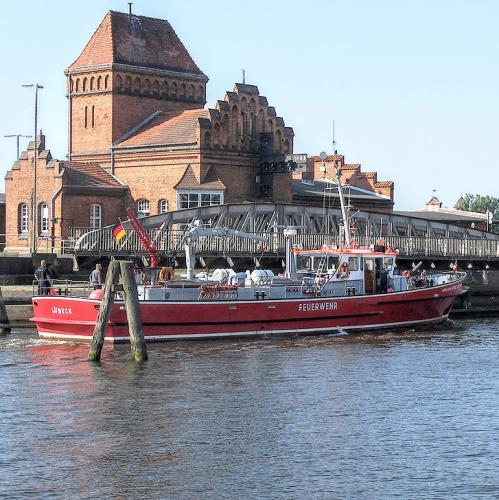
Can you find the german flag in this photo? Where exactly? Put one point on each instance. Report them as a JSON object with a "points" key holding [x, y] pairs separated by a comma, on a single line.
{"points": [[119, 233]]}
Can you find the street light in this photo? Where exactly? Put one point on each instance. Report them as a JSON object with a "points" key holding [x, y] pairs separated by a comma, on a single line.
{"points": [[33, 198], [17, 140]]}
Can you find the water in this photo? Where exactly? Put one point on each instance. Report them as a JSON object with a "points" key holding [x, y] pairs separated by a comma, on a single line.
{"points": [[406, 415]]}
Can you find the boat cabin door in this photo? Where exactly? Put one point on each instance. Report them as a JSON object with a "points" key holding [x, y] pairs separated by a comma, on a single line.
{"points": [[369, 276]]}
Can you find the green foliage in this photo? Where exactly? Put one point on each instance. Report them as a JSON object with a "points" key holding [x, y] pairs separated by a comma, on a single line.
{"points": [[478, 203]]}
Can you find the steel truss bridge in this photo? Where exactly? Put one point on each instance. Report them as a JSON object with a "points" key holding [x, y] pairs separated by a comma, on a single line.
{"points": [[414, 237]]}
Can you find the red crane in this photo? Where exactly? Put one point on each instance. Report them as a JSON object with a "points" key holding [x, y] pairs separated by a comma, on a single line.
{"points": [[147, 244]]}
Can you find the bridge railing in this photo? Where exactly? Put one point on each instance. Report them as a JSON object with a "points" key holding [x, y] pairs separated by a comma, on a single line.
{"points": [[85, 241]]}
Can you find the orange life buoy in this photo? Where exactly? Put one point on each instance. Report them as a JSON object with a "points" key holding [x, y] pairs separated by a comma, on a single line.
{"points": [[165, 274]]}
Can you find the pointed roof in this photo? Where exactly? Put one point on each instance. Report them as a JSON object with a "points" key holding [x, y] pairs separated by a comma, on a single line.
{"points": [[88, 175], [167, 128], [190, 181], [139, 41]]}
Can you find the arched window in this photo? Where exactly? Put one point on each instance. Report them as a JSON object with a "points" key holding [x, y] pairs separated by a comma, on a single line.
{"points": [[183, 91], [143, 208], [278, 140], [207, 140], [71, 85], [163, 206], [95, 215], [86, 116], [93, 116], [43, 217], [106, 82], [147, 85], [84, 85], [99, 82], [77, 89], [174, 89], [165, 88], [192, 91], [201, 92], [136, 85], [92, 82], [216, 135], [225, 130], [128, 83], [261, 121], [119, 82], [286, 148], [23, 218], [155, 87]]}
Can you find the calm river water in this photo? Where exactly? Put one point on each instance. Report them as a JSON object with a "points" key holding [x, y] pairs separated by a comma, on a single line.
{"points": [[408, 415]]}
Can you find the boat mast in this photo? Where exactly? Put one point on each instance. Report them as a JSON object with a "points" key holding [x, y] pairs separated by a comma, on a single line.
{"points": [[344, 215]]}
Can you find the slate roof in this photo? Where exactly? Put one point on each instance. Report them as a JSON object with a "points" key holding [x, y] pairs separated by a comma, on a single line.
{"points": [[169, 128], [317, 189], [136, 41], [444, 216], [88, 175]]}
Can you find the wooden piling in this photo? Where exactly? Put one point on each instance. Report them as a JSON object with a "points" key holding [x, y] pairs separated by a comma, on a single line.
{"points": [[104, 312], [4, 318], [132, 306]]}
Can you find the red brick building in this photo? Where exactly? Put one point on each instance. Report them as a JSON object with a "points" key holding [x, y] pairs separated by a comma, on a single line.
{"points": [[139, 134]]}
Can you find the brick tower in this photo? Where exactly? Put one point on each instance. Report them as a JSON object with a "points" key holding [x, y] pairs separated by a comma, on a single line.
{"points": [[132, 67]]}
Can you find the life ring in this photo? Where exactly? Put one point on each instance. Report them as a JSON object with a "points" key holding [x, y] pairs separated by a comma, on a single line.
{"points": [[165, 274], [343, 270]]}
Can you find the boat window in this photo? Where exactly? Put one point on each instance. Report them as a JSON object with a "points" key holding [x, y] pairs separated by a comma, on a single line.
{"points": [[389, 262], [353, 263], [332, 262], [303, 262], [369, 264]]}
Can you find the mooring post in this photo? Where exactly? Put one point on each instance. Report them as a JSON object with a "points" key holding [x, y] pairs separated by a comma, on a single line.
{"points": [[4, 319], [132, 306], [104, 312]]}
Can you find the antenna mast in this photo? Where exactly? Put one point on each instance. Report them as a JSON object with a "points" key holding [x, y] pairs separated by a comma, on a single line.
{"points": [[344, 214]]}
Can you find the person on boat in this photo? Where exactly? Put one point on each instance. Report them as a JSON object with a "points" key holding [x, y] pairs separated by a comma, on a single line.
{"points": [[380, 246], [383, 279], [96, 277], [139, 277], [42, 276]]}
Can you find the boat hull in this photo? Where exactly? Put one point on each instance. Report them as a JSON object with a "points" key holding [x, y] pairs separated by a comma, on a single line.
{"points": [[74, 318]]}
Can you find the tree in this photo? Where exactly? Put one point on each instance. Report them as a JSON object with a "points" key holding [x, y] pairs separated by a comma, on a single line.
{"points": [[478, 203], [481, 204]]}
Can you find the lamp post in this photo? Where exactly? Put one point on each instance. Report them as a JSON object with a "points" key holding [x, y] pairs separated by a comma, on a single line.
{"points": [[33, 198], [17, 140]]}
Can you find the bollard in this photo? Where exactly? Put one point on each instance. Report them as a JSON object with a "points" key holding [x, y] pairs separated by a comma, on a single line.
{"points": [[4, 319], [132, 306], [104, 312]]}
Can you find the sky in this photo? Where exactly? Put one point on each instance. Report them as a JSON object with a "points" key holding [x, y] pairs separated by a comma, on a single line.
{"points": [[412, 86]]}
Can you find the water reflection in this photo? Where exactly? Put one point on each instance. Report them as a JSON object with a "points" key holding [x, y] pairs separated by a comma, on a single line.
{"points": [[410, 414]]}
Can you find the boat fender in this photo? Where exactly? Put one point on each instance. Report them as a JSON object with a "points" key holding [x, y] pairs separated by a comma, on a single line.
{"points": [[166, 274], [343, 270]]}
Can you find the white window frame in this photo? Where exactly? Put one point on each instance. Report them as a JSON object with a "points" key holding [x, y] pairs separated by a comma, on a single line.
{"points": [[44, 218], [163, 206], [95, 215], [23, 218], [143, 208], [198, 198]]}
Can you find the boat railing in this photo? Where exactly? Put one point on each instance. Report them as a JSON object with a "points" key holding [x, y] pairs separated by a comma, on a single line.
{"points": [[65, 288]]}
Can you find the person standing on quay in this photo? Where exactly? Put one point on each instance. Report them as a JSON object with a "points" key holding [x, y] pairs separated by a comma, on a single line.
{"points": [[96, 277], [42, 276]]}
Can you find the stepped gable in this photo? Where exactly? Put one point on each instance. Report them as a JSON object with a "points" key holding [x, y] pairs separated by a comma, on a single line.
{"points": [[167, 128], [88, 175], [139, 41]]}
